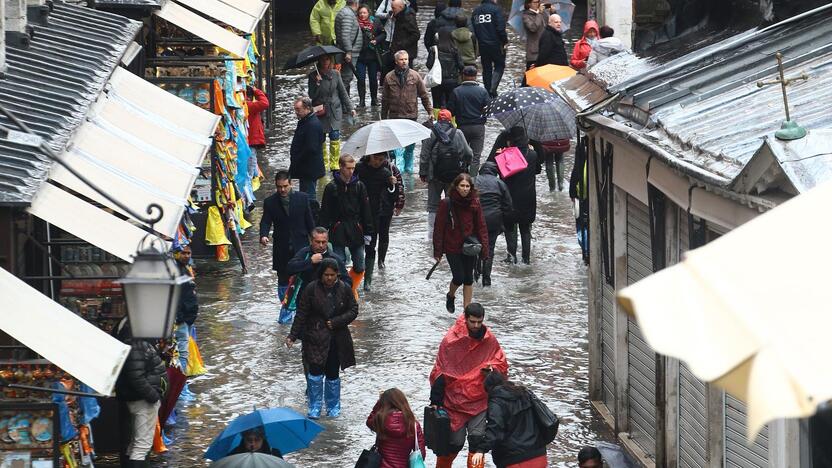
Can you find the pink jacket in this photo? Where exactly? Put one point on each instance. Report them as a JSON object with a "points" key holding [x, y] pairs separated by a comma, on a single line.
{"points": [[396, 446]]}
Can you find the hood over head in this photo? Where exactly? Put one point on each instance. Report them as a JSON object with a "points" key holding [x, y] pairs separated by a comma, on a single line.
{"points": [[589, 26], [443, 130], [462, 34], [440, 7], [489, 168]]}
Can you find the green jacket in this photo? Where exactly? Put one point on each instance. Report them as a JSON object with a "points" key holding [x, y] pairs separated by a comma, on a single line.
{"points": [[322, 20], [466, 45]]}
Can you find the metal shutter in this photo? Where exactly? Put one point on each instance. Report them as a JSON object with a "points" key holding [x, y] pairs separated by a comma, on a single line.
{"points": [[737, 451], [608, 346], [693, 396], [642, 359]]}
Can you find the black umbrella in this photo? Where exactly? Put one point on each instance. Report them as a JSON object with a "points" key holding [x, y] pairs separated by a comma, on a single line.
{"points": [[311, 55]]}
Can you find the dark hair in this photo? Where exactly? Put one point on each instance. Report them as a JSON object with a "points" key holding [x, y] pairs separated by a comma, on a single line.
{"points": [[328, 264], [465, 176], [439, 8], [318, 230], [281, 174], [606, 31], [455, 3], [589, 453], [461, 20], [474, 309], [392, 400], [496, 379]]}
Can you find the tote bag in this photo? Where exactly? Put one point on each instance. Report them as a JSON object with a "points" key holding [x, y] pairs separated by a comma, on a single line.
{"points": [[510, 161], [416, 460], [434, 76], [369, 458]]}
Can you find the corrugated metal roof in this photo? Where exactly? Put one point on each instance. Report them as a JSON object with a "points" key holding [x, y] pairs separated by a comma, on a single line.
{"points": [[113, 4], [51, 85]]}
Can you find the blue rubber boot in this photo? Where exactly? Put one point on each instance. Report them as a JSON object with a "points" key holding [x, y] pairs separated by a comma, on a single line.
{"points": [[332, 395], [314, 395]]}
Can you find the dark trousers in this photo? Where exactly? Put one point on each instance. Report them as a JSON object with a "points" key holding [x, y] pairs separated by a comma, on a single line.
{"points": [[493, 65], [554, 169], [462, 268], [332, 366], [475, 135], [525, 239], [381, 238], [441, 94], [362, 70]]}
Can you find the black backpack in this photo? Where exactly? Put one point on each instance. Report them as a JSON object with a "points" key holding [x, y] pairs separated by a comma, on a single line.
{"points": [[447, 164]]}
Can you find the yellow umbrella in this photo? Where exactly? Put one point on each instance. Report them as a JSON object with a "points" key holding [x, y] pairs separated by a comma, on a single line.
{"points": [[543, 77], [752, 310]]}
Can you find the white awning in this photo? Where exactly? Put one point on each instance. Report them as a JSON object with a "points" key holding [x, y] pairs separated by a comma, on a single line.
{"points": [[65, 339], [195, 24], [256, 8], [225, 12]]}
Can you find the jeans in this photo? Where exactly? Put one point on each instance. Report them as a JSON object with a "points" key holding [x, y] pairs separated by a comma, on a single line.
{"points": [[143, 417], [309, 187], [475, 135], [182, 333], [363, 69], [525, 239], [381, 238], [357, 254], [462, 268], [553, 163], [332, 366], [493, 65], [435, 190], [252, 164]]}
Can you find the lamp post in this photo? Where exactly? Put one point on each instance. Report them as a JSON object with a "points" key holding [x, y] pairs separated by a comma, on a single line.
{"points": [[151, 290]]}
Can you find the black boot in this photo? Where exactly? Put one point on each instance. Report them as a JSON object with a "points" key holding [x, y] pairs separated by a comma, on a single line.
{"points": [[362, 90], [486, 271], [369, 265]]}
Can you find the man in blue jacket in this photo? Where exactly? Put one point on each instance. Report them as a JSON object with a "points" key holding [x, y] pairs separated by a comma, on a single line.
{"points": [[467, 103], [306, 154], [291, 216], [307, 261], [489, 24]]}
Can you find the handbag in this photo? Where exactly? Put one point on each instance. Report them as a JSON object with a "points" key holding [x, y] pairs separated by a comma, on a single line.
{"points": [[556, 146], [369, 458], [547, 422], [416, 460], [319, 110], [471, 246], [510, 161], [433, 78]]}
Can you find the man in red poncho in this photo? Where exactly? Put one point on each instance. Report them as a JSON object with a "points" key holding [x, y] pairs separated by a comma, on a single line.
{"points": [[467, 353], [584, 47]]}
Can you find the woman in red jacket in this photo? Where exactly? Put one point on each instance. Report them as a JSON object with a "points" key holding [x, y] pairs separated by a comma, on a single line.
{"points": [[584, 47], [257, 102], [396, 426], [459, 218]]}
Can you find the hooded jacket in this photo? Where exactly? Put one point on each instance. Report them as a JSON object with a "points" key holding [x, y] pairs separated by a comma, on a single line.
{"points": [[345, 211], [533, 25], [495, 197], [456, 219], [322, 20], [466, 45], [143, 372], [396, 445], [511, 431], [445, 133], [551, 50], [604, 48], [582, 49]]}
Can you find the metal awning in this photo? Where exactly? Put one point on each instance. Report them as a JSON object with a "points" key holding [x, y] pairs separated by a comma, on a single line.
{"points": [[196, 24], [230, 12], [65, 339]]}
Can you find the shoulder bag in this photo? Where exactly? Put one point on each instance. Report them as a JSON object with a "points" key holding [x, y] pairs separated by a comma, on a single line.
{"points": [[471, 245], [370, 458], [416, 460], [546, 421]]}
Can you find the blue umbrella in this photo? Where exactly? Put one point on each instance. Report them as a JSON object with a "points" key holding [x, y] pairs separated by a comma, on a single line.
{"points": [[286, 430]]}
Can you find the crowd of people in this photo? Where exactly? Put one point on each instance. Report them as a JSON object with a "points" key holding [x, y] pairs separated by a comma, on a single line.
{"points": [[327, 245]]}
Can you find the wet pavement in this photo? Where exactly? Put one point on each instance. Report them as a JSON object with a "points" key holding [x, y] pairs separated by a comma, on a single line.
{"points": [[537, 311]]}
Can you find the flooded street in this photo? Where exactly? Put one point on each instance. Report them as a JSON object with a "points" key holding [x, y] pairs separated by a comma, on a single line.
{"points": [[537, 312]]}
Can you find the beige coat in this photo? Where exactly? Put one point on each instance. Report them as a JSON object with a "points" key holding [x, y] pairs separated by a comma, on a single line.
{"points": [[400, 102]]}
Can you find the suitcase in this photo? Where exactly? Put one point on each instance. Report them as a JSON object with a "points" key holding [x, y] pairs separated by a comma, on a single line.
{"points": [[437, 429]]}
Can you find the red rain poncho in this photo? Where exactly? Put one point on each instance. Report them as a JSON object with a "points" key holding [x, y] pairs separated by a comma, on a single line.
{"points": [[460, 359]]}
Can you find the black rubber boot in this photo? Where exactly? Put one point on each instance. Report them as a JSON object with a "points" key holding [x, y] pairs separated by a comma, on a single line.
{"points": [[362, 90], [369, 265], [486, 271], [449, 303]]}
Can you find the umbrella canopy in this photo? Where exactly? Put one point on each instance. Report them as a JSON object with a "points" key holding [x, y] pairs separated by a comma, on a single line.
{"points": [[310, 55], [544, 115], [750, 310], [251, 460], [543, 77], [384, 135], [286, 430], [562, 8]]}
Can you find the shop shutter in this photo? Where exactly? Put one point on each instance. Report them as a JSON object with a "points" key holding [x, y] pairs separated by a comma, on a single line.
{"points": [[738, 454], [608, 346], [693, 400], [642, 359]]}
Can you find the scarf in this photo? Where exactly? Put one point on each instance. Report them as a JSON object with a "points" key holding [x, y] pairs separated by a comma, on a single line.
{"points": [[401, 74], [366, 24]]}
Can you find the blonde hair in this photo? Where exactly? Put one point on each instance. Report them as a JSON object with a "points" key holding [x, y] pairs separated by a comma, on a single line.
{"points": [[345, 158]]}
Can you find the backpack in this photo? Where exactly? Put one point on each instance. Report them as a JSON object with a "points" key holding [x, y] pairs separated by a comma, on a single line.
{"points": [[447, 164]]}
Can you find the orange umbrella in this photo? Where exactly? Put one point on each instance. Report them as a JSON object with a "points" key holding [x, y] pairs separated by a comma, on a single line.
{"points": [[543, 77]]}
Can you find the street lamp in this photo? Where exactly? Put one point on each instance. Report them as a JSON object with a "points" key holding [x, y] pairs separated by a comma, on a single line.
{"points": [[151, 289]]}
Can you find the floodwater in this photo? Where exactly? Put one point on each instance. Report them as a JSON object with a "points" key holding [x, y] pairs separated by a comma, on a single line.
{"points": [[537, 312]]}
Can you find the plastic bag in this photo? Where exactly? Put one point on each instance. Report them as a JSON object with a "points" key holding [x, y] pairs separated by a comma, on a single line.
{"points": [[195, 364], [433, 77]]}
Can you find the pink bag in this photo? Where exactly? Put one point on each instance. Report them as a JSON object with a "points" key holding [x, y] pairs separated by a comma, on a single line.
{"points": [[510, 161]]}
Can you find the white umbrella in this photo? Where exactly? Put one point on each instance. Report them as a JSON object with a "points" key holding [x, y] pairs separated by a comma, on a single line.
{"points": [[752, 310], [384, 135], [251, 460]]}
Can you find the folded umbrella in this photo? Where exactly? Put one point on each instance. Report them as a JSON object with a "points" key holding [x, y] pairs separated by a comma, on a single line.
{"points": [[383, 136], [543, 77], [286, 430], [544, 115], [251, 460], [311, 54]]}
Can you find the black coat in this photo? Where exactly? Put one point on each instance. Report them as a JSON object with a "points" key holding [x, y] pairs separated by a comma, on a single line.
{"points": [[551, 50], [345, 211], [291, 230], [511, 431], [306, 154], [521, 185], [495, 197], [142, 374], [406, 34], [310, 324], [369, 52], [377, 183], [188, 307], [489, 24], [307, 272]]}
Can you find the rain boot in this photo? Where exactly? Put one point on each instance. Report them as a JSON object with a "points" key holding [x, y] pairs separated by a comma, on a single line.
{"points": [[334, 153], [486, 271], [370, 263], [445, 461], [408, 158], [356, 281], [314, 395], [362, 91], [332, 396], [471, 463], [431, 222], [286, 316], [326, 155]]}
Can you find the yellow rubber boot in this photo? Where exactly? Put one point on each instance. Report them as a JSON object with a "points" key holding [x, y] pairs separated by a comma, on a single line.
{"points": [[356, 281], [334, 154], [326, 156]]}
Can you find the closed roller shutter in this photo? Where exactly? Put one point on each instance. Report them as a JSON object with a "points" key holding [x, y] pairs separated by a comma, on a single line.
{"points": [[738, 453], [693, 399], [642, 359], [608, 346]]}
